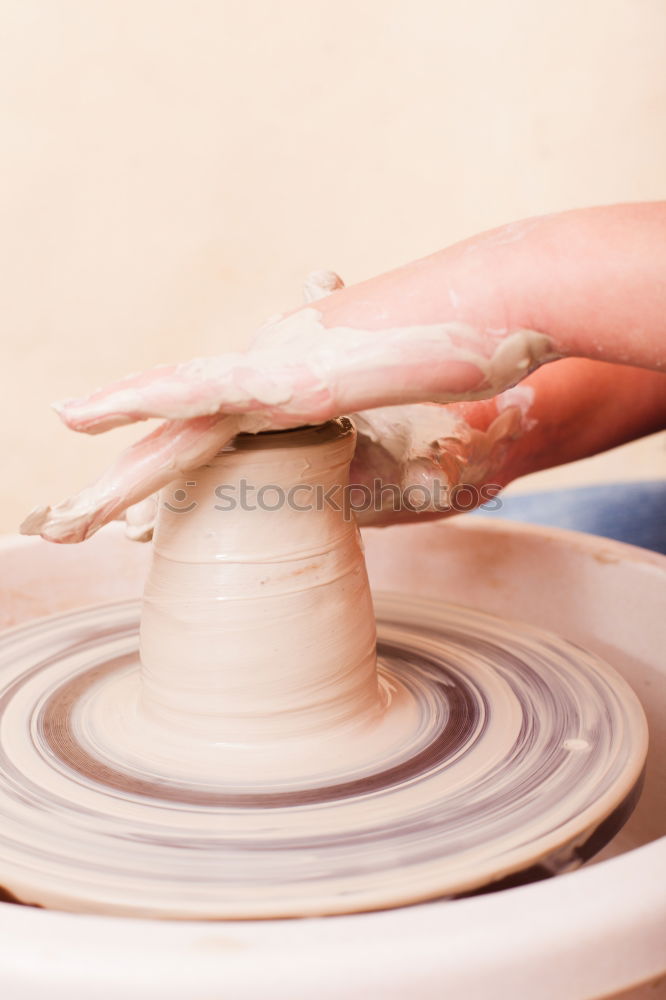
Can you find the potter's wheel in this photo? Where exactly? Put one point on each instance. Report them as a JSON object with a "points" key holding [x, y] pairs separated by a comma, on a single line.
{"points": [[522, 756], [592, 932]]}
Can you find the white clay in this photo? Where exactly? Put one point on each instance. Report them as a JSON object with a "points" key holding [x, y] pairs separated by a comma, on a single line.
{"points": [[227, 585], [258, 657]]}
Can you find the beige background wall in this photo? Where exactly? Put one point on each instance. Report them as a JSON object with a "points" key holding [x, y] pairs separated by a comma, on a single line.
{"points": [[172, 168]]}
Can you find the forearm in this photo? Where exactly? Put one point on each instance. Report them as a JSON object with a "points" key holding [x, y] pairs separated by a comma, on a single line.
{"points": [[580, 408], [593, 280]]}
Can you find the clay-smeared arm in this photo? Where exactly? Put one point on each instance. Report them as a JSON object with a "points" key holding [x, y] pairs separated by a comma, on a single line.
{"points": [[464, 324], [593, 281]]}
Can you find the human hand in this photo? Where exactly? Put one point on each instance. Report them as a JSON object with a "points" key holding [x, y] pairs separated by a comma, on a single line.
{"points": [[447, 328], [296, 373]]}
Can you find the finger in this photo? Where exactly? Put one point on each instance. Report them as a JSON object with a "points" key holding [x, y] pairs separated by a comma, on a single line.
{"points": [[174, 392], [80, 414], [229, 384], [319, 284], [140, 519], [170, 451], [412, 461]]}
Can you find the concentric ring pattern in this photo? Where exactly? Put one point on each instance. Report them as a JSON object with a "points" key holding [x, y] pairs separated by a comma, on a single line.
{"points": [[527, 755]]}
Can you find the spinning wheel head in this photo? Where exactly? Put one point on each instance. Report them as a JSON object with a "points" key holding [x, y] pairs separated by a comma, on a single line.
{"points": [[500, 751]]}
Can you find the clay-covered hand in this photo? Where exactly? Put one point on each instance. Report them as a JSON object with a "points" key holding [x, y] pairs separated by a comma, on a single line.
{"points": [[297, 372], [467, 324]]}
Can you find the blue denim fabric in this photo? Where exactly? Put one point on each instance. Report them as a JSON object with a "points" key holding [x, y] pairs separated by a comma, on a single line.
{"points": [[629, 512]]}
